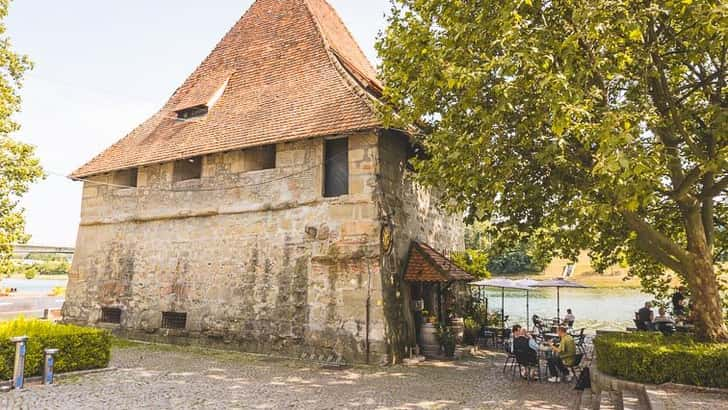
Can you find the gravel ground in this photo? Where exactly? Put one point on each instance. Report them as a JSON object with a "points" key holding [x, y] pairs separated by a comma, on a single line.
{"points": [[166, 377]]}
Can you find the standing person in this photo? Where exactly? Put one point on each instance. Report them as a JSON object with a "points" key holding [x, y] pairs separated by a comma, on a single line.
{"points": [[569, 318], [564, 355], [645, 317], [678, 301]]}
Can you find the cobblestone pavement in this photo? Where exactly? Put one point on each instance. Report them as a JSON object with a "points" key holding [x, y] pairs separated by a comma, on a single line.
{"points": [[166, 377]]}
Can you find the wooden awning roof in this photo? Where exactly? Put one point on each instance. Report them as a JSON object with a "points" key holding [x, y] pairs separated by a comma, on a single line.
{"points": [[425, 264]]}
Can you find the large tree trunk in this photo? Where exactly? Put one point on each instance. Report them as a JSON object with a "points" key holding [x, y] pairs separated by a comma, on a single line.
{"points": [[702, 279], [703, 283]]}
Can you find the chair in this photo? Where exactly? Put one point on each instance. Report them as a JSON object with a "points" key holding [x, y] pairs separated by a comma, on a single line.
{"points": [[486, 334], [640, 325], [579, 340], [666, 328], [503, 335], [526, 359], [574, 367], [510, 359]]}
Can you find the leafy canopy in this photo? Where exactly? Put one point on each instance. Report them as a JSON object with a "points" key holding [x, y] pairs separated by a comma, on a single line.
{"points": [[18, 165], [577, 124]]}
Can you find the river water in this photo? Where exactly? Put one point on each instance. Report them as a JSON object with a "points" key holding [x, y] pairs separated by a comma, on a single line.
{"points": [[595, 309], [33, 285]]}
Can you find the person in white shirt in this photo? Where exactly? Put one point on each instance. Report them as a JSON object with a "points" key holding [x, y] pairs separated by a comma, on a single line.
{"points": [[569, 318], [663, 317]]}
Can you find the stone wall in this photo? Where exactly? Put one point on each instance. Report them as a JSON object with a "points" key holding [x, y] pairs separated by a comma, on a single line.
{"points": [[258, 265], [259, 260], [413, 214]]}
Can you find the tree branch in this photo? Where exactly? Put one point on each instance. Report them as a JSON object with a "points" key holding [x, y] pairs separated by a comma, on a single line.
{"points": [[659, 255], [717, 187], [657, 238], [687, 183]]}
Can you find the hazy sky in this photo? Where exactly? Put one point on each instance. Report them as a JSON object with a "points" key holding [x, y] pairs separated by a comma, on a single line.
{"points": [[102, 67]]}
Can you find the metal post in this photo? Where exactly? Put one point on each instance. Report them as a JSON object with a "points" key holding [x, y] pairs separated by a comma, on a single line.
{"points": [[48, 362], [503, 308], [558, 306], [486, 312], [19, 369], [528, 318]]}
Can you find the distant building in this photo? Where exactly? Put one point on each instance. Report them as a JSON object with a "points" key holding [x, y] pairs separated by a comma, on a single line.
{"points": [[264, 207]]}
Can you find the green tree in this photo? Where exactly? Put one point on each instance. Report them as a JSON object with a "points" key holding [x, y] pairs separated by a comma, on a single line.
{"points": [[19, 167], [575, 124], [473, 261], [513, 261]]}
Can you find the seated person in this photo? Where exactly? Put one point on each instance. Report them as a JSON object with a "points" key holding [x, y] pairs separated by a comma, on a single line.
{"points": [[514, 333], [569, 318], [645, 316], [678, 301], [525, 349], [663, 317], [564, 355]]}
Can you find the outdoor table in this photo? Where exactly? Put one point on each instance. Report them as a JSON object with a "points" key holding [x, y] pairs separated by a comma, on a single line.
{"points": [[685, 328], [549, 336], [544, 352]]}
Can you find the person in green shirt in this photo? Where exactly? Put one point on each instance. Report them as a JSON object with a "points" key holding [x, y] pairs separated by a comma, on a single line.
{"points": [[563, 356]]}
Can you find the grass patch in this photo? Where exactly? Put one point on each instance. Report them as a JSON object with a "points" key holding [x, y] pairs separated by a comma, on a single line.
{"points": [[121, 343]]}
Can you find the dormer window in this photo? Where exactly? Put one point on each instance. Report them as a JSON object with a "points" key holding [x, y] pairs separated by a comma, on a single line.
{"points": [[193, 112], [200, 98]]}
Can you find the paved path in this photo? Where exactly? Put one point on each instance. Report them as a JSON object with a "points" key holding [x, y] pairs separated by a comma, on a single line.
{"points": [[164, 377], [29, 305]]}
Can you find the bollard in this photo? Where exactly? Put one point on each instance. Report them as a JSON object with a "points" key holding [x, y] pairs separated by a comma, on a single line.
{"points": [[18, 378], [48, 365]]}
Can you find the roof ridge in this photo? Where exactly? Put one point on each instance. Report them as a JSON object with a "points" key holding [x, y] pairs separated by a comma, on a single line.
{"points": [[311, 92], [334, 59], [346, 28]]}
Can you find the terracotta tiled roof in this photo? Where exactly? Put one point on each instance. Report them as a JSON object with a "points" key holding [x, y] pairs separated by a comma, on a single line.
{"points": [[293, 71], [424, 264]]}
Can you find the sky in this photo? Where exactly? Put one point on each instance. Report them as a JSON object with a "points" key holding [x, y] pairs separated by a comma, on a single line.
{"points": [[103, 67]]}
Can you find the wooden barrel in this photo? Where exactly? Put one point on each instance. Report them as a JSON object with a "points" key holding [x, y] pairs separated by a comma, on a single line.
{"points": [[430, 346], [458, 329]]}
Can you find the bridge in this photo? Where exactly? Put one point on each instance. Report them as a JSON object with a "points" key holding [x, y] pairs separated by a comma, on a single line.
{"points": [[22, 250]]}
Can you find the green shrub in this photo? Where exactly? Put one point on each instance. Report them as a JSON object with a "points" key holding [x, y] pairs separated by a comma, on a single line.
{"points": [[59, 267], [654, 358], [80, 348], [30, 271]]}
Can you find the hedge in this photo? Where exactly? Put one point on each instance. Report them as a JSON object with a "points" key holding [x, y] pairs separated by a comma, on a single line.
{"points": [[80, 348], [650, 357]]}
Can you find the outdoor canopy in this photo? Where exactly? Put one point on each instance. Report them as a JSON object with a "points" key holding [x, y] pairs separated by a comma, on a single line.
{"points": [[527, 285], [503, 284], [557, 283]]}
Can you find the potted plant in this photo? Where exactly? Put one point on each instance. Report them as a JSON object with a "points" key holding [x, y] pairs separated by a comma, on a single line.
{"points": [[446, 337]]}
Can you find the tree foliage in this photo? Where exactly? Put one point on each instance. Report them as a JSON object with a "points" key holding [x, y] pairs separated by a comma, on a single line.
{"points": [[473, 261], [513, 261], [575, 124], [18, 165]]}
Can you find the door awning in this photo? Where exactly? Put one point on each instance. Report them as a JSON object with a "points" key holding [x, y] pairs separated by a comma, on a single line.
{"points": [[425, 264]]}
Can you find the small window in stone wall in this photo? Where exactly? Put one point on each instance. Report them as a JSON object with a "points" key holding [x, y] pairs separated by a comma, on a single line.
{"points": [[186, 169], [110, 315], [126, 178], [259, 158], [174, 320], [336, 167]]}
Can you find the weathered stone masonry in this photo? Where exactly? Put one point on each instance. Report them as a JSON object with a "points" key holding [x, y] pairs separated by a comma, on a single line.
{"points": [[265, 267], [212, 244]]}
